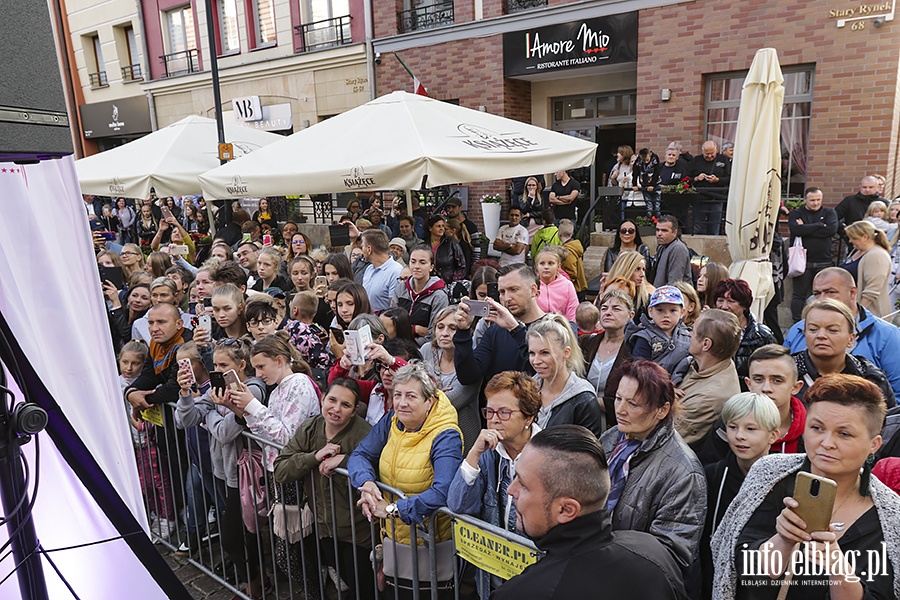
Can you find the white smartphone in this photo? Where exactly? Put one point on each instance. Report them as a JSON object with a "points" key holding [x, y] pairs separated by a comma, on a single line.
{"points": [[185, 363], [355, 342], [204, 321]]}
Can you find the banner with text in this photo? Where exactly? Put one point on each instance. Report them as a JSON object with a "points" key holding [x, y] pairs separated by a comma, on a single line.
{"points": [[577, 44], [490, 552]]}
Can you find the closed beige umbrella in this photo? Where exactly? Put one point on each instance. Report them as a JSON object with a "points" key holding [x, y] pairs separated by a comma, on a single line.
{"points": [[755, 192]]}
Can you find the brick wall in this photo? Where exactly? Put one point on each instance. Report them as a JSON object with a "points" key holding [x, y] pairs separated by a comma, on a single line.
{"points": [[854, 128], [470, 71]]}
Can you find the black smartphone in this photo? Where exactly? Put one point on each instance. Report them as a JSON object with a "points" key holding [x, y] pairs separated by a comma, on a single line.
{"points": [[207, 302], [217, 381], [493, 291], [338, 334], [339, 235], [113, 275]]}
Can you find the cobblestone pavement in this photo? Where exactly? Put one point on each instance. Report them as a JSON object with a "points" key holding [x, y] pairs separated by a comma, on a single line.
{"points": [[198, 583]]}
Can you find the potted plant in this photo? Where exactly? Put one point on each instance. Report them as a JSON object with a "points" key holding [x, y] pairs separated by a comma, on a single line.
{"points": [[646, 226], [598, 223], [490, 212]]}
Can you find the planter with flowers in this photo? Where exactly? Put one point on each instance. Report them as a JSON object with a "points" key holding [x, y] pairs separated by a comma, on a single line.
{"points": [[490, 212], [646, 226]]}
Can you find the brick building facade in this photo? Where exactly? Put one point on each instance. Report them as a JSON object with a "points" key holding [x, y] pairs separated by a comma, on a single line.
{"points": [[841, 117]]}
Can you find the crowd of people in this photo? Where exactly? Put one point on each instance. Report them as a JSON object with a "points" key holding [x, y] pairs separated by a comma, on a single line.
{"points": [[626, 436]]}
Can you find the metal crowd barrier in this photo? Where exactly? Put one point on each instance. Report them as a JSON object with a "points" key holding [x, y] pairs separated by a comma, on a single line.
{"points": [[176, 487]]}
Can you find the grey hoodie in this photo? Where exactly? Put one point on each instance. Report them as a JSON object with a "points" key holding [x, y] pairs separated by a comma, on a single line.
{"points": [[576, 404]]}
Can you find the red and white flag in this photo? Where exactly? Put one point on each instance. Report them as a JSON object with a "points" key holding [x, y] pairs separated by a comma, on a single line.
{"points": [[418, 88]]}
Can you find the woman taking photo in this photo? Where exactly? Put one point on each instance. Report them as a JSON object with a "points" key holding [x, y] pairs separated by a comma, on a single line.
{"points": [[225, 445], [322, 444], [438, 356], [843, 432], [632, 266], [417, 449], [479, 486], [627, 238], [830, 332], [449, 261], [334, 268], [293, 400], [656, 482], [556, 358], [604, 352], [423, 295], [870, 265]]}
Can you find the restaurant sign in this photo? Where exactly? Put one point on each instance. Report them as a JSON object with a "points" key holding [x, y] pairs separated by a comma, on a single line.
{"points": [[584, 43]]}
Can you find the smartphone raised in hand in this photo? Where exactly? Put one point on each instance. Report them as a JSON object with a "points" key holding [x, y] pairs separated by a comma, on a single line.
{"points": [[231, 379], [113, 275], [493, 291], [185, 363], [815, 498], [479, 308], [217, 381], [166, 213]]}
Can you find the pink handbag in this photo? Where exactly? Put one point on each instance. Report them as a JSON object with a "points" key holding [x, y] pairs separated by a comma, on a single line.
{"points": [[253, 493]]}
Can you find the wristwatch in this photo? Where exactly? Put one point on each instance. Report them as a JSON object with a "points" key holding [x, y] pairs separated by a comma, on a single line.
{"points": [[391, 511]]}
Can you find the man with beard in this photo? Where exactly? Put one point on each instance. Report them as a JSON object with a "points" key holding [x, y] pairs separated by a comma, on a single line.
{"points": [[504, 346]]}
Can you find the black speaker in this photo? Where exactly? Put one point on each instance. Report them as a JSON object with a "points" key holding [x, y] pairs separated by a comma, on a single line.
{"points": [[34, 124]]}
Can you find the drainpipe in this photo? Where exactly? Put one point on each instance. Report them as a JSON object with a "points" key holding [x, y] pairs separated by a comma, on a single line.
{"points": [[370, 52]]}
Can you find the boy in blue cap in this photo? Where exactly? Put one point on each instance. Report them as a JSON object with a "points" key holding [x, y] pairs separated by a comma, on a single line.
{"points": [[662, 337]]}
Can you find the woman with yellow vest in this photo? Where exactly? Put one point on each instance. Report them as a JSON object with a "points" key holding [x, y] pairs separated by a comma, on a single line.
{"points": [[416, 448]]}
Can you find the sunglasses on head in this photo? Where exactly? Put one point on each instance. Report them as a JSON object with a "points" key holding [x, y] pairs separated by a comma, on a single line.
{"points": [[626, 230]]}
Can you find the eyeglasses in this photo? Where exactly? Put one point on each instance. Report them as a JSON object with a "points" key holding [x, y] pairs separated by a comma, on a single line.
{"points": [[503, 414], [255, 323], [128, 253], [231, 342], [626, 231]]}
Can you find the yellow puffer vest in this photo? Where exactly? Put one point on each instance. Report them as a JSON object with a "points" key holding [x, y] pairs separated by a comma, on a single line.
{"points": [[405, 463]]}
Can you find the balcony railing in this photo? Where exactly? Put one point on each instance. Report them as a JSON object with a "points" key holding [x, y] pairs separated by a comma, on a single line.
{"points": [[132, 73], [425, 17], [325, 33], [511, 6], [98, 80], [180, 63]]}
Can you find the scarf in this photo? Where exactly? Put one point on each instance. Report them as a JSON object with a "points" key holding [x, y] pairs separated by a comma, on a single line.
{"points": [[618, 468], [164, 354]]}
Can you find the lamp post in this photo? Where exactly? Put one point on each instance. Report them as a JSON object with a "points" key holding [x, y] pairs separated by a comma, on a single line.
{"points": [[217, 103]]}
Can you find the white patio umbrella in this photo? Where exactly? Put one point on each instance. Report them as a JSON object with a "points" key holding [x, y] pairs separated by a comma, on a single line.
{"points": [[755, 193], [169, 159], [392, 143]]}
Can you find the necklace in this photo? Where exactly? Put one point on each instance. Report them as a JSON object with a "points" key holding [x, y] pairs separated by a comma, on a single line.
{"points": [[839, 525]]}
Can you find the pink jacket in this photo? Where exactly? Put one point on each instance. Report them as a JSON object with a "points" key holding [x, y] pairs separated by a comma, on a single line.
{"points": [[558, 297]]}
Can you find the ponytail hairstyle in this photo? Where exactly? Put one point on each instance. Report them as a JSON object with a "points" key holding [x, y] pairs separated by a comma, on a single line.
{"points": [[861, 228], [277, 345], [138, 346], [237, 349], [555, 329]]}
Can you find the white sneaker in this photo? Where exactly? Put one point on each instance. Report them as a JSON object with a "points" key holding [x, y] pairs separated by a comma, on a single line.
{"points": [[167, 528], [211, 515], [338, 583]]}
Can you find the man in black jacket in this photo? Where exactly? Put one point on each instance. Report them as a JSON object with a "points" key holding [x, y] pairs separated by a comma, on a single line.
{"points": [[559, 493], [853, 208], [713, 171], [816, 226]]}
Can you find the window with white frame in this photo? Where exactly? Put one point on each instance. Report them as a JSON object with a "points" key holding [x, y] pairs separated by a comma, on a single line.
{"points": [[723, 101], [326, 23], [264, 21], [228, 26], [181, 56]]}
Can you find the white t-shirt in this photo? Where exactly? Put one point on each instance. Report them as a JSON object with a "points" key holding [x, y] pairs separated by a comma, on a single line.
{"points": [[513, 235]]}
